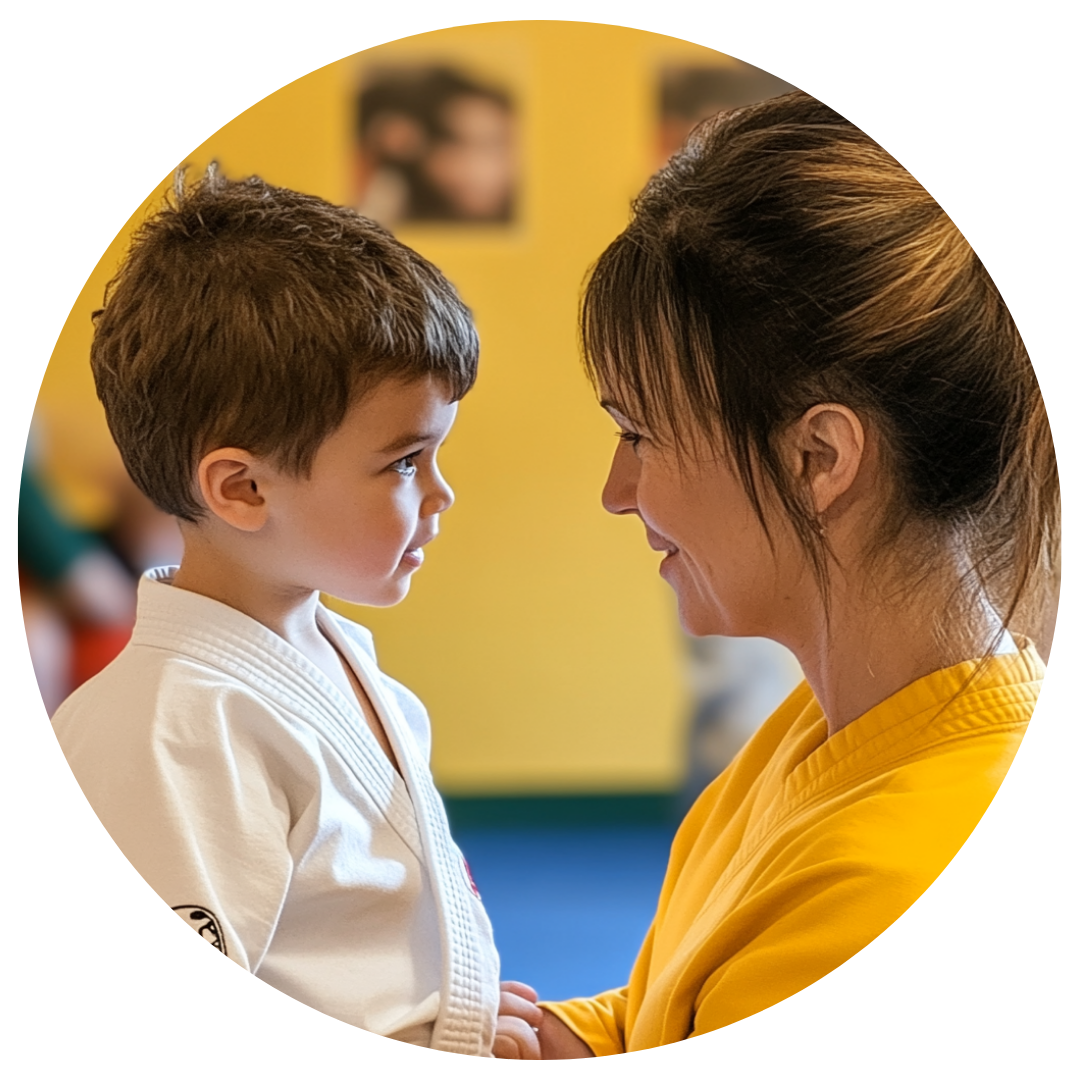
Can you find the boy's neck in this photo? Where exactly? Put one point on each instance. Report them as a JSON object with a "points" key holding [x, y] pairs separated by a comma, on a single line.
{"points": [[208, 570], [212, 569]]}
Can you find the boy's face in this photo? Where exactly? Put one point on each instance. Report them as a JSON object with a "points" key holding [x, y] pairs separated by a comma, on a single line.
{"points": [[355, 528]]}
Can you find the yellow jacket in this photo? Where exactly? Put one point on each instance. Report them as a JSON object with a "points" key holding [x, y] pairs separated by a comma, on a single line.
{"points": [[808, 847]]}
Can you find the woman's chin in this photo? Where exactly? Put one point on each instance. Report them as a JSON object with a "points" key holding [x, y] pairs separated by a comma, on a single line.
{"points": [[696, 616], [698, 623]]}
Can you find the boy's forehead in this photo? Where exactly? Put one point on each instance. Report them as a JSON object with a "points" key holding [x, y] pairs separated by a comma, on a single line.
{"points": [[397, 412], [405, 390]]}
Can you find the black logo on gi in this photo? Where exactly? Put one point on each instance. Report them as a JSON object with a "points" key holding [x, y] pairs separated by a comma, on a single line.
{"points": [[205, 921]]}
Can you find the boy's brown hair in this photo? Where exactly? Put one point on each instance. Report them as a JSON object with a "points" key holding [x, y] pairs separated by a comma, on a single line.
{"points": [[253, 316]]}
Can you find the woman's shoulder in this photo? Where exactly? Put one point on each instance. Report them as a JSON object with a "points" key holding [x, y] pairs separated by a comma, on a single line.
{"points": [[902, 823], [896, 796]]}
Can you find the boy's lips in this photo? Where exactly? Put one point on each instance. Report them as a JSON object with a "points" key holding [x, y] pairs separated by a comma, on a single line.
{"points": [[412, 557]]}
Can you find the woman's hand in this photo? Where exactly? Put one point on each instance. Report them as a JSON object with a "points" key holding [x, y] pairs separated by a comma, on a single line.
{"points": [[519, 1017]]}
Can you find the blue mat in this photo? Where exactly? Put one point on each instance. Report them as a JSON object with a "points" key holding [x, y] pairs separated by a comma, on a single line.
{"points": [[570, 906]]}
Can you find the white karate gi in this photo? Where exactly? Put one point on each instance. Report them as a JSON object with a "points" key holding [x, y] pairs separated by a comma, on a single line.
{"points": [[252, 796]]}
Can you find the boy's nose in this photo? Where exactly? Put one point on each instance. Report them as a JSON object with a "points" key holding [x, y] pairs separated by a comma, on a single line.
{"points": [[442, 494]]}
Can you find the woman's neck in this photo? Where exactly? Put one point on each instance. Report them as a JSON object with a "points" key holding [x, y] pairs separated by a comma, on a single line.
{"points": [[869, 648]]}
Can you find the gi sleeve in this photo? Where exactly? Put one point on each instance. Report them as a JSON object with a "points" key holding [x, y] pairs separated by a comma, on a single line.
{"points": [[200, 795]]}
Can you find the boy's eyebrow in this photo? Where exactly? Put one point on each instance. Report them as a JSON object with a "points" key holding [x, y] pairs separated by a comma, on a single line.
{"points": [[410, 439]]}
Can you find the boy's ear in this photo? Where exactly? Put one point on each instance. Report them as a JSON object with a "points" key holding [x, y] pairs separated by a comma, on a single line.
{"points": [[229, 485], [826, 447]]}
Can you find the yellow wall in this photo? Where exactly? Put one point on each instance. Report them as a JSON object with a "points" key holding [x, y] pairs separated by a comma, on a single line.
{"points": [[538, 633]]}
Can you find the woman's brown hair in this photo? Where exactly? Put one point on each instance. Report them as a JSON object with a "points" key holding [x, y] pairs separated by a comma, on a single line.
{"points": [[783, 259]]}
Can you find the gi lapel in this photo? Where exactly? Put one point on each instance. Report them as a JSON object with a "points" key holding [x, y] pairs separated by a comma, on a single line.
{"points": [[460, 1027]]}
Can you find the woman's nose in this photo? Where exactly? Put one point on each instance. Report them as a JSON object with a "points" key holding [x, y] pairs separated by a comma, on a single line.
{"points": [[620, 492]]}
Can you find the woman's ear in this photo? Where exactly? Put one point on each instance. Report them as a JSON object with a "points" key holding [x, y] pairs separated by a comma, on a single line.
{"points": [[826, 447], [229, 485]]}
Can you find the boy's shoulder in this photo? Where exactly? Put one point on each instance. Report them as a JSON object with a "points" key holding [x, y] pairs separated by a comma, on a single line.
{"points": [[193, 666], [155, 696]]}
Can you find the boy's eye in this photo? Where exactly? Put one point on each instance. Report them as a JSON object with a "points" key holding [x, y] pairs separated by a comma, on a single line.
{"points": [[406, 465]]}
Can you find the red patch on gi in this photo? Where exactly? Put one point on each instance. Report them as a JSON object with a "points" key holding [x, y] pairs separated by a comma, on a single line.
{"points": [[468, 874]]}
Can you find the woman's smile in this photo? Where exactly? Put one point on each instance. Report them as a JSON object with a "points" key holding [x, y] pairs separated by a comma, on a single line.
{"points": [[658, 543]]}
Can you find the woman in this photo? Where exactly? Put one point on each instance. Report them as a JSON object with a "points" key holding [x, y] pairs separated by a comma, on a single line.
{"points": [[830, 428]]}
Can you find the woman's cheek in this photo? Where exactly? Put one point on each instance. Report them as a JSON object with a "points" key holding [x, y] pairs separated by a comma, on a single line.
{"points": [[657, 504]]}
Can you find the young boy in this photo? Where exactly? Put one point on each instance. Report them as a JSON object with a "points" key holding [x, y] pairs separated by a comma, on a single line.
{"points": [[279, 374]]}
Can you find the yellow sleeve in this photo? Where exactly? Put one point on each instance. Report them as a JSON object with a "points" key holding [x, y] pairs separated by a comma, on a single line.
{"points": [[600, 1020]]}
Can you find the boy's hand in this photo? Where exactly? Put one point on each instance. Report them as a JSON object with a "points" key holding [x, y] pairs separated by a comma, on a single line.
{"points": [[519, 1017]]}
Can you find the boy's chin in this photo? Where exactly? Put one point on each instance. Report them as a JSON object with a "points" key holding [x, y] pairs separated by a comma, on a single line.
{"points": [[389, 594]]}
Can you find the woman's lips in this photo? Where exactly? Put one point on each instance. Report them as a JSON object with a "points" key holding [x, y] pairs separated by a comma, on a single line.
{"points": [[658, 543], [668, 549]]}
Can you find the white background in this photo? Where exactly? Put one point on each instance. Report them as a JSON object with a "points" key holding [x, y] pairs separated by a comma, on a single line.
{"points": [[100, 100]]}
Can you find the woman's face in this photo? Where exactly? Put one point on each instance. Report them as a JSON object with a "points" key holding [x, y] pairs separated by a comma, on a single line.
{"points": [[717, 557]]}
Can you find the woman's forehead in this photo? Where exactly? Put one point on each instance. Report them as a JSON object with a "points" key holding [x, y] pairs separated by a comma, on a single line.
{"points": [[611, 402]]}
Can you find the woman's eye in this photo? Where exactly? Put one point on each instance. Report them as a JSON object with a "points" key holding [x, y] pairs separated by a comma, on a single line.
{"points": [[406, 465], [631, 437]]}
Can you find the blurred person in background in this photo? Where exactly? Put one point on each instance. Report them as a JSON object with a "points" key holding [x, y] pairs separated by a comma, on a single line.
{"points": [[434, 145], [77, 583], [735, 684], [690, 93]]}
